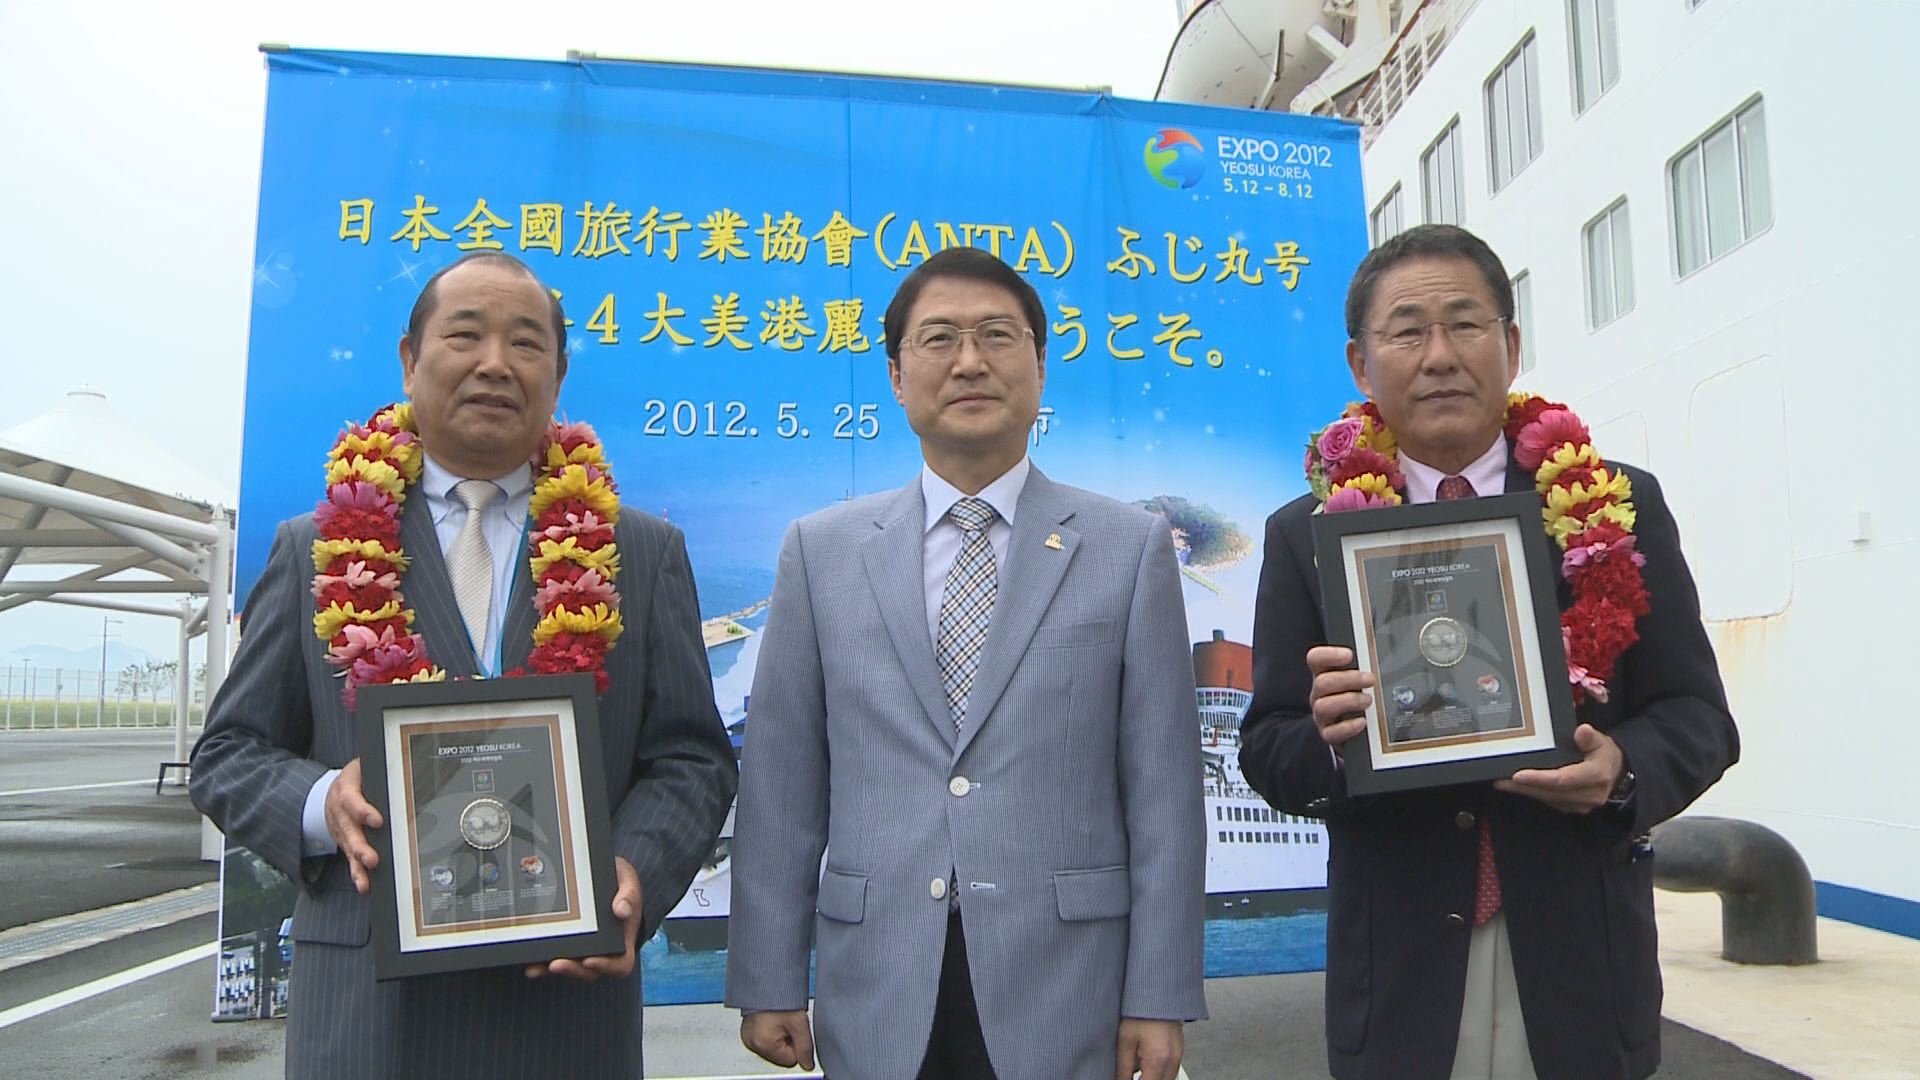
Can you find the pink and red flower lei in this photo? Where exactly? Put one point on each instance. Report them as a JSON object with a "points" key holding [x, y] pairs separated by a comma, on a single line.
{"points": [[357, 557], [1587, 508]]}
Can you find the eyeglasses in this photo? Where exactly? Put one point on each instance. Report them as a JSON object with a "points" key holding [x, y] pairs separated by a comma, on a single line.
{"points": [[1414, 335], [995, 337]]}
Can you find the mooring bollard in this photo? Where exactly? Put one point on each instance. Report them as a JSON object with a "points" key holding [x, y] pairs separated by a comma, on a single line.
{"points": [[1766, 894]]}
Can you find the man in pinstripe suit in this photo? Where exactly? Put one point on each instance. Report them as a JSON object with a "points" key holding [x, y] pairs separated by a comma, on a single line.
{"points": [[482, 362], [974, 694]]}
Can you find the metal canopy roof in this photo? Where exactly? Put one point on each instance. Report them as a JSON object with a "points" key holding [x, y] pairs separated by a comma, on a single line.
{"points": [[82, 488]]}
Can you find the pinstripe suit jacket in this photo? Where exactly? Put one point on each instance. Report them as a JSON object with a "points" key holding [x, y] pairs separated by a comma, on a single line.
{"points": [[278, 723], [1069, 805]]}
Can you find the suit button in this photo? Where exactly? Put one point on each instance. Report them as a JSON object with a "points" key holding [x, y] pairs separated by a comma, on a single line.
{"points": [[959, 786], [938, 889], [1464, 819], [1456, 920]]}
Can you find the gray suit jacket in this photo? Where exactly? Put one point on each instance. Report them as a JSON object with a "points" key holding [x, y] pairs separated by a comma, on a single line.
{"points": [[1069, 807], [278, 723]]}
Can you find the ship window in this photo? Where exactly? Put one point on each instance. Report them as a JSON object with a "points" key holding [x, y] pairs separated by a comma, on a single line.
{"points": [[1513, 114], [1721, 195], [1386, 218], [1609, 266], [1442, 191], [1523, 317], [1596, 50], [1223, 836]]}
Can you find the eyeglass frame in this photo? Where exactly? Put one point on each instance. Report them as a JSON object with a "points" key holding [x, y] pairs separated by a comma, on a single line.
{"points": [[999, 320], [1426, 332]]}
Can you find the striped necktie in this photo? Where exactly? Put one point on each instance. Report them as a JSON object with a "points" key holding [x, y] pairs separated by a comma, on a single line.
{"points": [[470, 562]]}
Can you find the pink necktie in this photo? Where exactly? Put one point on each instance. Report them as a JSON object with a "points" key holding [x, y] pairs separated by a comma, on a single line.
{"points": [[1486, 884]]}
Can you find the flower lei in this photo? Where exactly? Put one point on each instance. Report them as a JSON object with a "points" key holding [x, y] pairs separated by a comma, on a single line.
{"points": [[358, 560], [1354, 464]]}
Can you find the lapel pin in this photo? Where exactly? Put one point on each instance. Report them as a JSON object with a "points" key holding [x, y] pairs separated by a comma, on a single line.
{"points": [[1053, 541]]}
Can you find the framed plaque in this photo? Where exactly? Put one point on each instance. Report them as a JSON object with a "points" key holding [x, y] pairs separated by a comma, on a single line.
{"points": [[497, 847], [1451, 606]]}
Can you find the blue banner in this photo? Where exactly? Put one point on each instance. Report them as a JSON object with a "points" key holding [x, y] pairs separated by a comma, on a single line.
{"points": [[725, 242]]}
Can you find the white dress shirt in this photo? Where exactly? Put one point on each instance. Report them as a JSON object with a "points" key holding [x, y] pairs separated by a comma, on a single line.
{"points": [[943, 538], [504, 523], [941, 546], [1487, 474]]}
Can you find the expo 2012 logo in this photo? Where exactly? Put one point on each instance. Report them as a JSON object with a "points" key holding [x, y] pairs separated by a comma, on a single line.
{"points": [[1175, 159]]}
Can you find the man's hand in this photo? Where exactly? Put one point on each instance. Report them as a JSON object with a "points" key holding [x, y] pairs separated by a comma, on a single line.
{"points": [[349, 815], [782, 1038], [626, 907], [1576, 788], [1338, 693], [1150, 1048]]}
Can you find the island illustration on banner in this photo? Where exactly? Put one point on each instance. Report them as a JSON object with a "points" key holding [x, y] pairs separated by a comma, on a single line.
{"points": [[1266, 870]]}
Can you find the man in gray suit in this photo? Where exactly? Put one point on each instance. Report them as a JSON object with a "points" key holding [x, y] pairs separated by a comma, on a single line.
{"points": [[974, 695], [482, 361]]}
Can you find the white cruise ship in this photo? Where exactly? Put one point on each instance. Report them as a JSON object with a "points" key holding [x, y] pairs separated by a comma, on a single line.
{"points": [[1706, 210]]}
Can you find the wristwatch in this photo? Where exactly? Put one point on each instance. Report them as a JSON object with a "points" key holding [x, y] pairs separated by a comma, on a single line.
{"points": [[1622, 792]]}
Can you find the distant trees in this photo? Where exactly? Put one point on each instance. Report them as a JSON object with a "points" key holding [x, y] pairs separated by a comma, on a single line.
{"points": [[146, 679]]}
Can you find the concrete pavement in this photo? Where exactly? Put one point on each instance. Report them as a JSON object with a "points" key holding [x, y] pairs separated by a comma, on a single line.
{"points": [[87, 847]]}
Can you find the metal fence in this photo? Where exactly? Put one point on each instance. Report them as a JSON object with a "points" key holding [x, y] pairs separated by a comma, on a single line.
{"points": [[32, 696]]}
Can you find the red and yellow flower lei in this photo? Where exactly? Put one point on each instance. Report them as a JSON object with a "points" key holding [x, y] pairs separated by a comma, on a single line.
{"points": [[1354, 463], [358, 560]]}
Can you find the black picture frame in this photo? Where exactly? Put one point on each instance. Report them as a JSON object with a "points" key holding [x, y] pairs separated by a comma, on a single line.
{"points": [[539, 847], [1463, 696]]}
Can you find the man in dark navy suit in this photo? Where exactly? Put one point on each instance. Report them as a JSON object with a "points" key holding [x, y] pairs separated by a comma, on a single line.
{"points": [[1499, 930]]}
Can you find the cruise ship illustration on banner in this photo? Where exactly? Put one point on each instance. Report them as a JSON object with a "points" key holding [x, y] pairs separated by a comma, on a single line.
{"points": [[1259, 860]]}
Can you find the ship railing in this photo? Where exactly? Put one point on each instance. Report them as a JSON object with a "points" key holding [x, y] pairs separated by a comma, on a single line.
{"points": [[1226, 789], [1421, 40]]}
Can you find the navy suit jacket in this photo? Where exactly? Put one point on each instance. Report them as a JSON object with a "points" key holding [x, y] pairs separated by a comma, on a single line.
{"points": [[1401, 867]]}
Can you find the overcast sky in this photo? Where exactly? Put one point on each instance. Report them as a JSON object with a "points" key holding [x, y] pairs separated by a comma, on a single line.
{"points": [[130, 165]]}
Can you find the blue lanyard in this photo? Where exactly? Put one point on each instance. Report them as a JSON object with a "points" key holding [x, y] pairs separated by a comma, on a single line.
{"points": [[500, 645]]}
